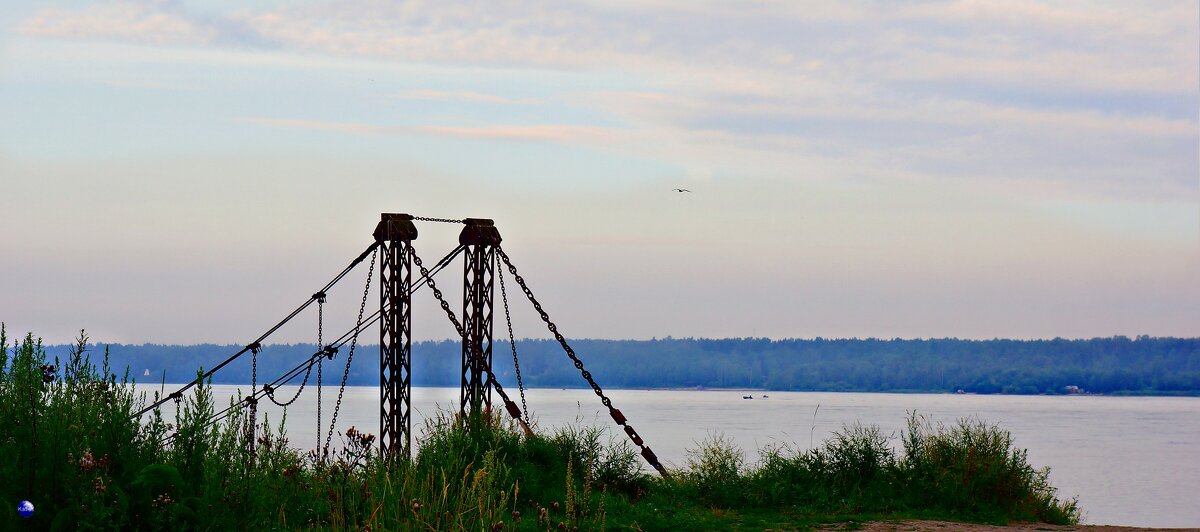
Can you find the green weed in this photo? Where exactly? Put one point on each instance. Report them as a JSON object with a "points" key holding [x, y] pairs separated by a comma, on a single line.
{"points": [[73, 449]]}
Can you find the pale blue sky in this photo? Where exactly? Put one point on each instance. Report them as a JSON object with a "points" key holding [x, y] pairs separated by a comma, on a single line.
{"points": [[185, 171]]}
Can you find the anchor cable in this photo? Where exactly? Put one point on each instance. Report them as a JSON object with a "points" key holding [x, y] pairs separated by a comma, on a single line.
{"points": [[258, 342], [306, 365], [615, 413]]}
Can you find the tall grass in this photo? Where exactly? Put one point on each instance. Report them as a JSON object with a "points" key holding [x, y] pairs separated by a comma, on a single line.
{"points": [[72, 448]]}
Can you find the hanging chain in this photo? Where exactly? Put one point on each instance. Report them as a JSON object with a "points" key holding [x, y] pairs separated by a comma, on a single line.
{"points": [[513, 344], [614, 412], [437, 293], [462, 332], [349, 358], [554, 330], [320, 297], [253, 371], [270, 392], [443, 220], [252, 430]]}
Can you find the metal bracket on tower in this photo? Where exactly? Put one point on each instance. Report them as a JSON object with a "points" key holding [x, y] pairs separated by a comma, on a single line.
{"points": [[395, 234], [480, 238]]}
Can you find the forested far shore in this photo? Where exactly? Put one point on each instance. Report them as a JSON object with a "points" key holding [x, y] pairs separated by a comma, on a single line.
{"points": [[1115, 365]]}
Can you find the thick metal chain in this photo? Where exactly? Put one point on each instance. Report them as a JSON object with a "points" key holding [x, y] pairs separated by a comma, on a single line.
{"points": [[512, 342], [616, 414], [443, 220], [349, 358], [462, 332], [437, 292], [554, 329]]}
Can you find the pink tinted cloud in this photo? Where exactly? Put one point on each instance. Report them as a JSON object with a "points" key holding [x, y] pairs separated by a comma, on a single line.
{"points": [[119, 21]]}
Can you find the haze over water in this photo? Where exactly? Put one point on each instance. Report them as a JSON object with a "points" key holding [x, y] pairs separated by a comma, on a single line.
{"points": [[1130, 460]]}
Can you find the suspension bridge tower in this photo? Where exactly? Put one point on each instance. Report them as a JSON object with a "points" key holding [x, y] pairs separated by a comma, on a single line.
{"points": [[479, 243], [479, 238], [394, 235]]}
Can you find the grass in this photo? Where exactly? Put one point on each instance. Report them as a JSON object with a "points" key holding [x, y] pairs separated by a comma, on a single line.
{"points": [[72, 448]]}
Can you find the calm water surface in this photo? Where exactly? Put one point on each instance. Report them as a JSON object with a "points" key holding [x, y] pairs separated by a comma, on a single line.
{"points": [[1130, 460]]}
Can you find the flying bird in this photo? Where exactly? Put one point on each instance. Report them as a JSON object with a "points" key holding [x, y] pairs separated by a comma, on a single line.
{"points": [[680, 190]]}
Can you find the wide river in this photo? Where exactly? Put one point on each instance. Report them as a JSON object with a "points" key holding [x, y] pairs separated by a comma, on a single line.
{"points": [[1130, 460]]}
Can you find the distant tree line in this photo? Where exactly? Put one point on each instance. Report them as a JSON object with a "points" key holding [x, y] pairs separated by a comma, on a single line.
{"points": [[1117, 365]]}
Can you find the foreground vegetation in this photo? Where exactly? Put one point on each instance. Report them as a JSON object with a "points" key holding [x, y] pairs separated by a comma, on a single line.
{"points": [[72, 448]]}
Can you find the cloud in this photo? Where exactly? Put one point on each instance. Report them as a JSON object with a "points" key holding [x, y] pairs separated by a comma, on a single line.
{"points": [[1069, 93], [140, 22], [1124, 46], [1149, 48], [461, 96], [526, 132], [542, 132], [340, 127]]}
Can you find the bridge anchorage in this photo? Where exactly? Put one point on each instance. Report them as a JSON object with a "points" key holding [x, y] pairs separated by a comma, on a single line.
{"points": [[479, 244]]}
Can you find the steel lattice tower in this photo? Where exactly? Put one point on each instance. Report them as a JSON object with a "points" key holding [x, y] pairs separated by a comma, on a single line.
{"points": [[480, 238], [395, 234]]}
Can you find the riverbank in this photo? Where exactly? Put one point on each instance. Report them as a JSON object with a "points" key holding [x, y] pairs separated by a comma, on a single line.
{"points": [[81, 457]]}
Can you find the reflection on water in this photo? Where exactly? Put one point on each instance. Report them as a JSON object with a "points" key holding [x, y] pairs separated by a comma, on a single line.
{"points": [[1130, 460]]}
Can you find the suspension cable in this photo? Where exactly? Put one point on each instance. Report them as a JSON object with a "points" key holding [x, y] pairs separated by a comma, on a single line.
{"points": [[616, 414], [257, 342], [233, 408], [328, 351]]}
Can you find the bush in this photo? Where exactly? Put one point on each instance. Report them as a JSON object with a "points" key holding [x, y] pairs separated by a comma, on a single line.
{"points": [[715, 469], [972, 468], [969, 471]]}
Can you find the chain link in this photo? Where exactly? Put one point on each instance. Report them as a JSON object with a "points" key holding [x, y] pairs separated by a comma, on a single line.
{"points": [[320, 359], [616, 414], [462, 332], [271, 393], [554, 330], [512, 342], [443, 220], [253, 371], [349, 358], [252, 430], [437, 292]]}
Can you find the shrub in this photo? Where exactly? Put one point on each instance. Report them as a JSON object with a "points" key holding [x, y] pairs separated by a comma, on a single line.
{"points": [[972, 468], [715, 470]]}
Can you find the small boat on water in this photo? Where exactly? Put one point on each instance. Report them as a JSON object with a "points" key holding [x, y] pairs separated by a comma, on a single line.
{"points": [[747, 397]]}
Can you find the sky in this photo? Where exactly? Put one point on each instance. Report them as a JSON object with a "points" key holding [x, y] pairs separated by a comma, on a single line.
{"points": [[187, 171]]}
